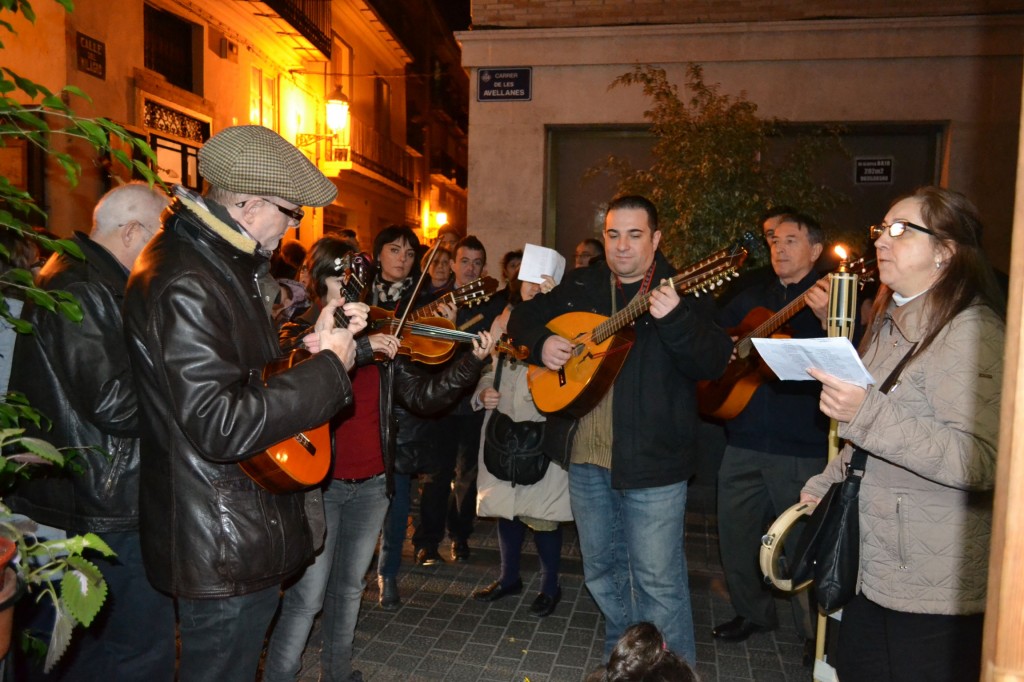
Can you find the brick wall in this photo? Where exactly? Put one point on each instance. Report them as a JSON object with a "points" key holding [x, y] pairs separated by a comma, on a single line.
{"points": [[566, 13]]}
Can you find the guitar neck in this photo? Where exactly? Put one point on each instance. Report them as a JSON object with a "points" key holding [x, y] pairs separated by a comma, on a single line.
{"points": [[640, 304], [430, 309], [705, 274], [773, 323]]}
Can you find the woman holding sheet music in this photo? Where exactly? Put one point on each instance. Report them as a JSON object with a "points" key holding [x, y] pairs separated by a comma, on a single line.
{"points": [[926, 494]]}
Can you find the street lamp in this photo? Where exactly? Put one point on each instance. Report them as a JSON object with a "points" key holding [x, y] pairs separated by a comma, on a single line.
{"points": [[337, 110], [337, 106]]}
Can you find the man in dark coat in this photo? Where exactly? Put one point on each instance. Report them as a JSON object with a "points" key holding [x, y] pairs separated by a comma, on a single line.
{"points": [[778, 440], [78, 375], [632, 454], [197, 317]]}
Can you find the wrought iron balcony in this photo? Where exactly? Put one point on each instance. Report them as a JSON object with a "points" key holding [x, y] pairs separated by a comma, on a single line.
{"points": [[311, 18], [361, 148]]}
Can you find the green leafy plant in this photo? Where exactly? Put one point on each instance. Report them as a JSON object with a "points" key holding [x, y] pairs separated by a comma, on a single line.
{"points": [[53, 570], [714, 172]]}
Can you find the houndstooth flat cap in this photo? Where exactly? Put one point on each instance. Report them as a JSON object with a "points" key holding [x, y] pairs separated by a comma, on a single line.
{"points": [[256, 160]]}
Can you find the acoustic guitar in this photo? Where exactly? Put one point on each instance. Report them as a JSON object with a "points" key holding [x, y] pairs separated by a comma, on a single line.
{"points": [[303, 460], [602, 343], [725, 397], [477, 291]]}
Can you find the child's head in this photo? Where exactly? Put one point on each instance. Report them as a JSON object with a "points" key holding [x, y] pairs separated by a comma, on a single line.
{"points": [[641, 655]]}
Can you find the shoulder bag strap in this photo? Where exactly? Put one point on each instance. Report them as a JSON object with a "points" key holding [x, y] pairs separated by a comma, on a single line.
{"points": [[859, 459]]}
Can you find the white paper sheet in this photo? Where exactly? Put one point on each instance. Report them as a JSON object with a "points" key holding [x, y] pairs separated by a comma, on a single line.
{"points": [[538, 261], [790, 359]]}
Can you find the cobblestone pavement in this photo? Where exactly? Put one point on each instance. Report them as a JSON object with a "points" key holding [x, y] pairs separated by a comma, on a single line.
{"points": [[440, 633]]}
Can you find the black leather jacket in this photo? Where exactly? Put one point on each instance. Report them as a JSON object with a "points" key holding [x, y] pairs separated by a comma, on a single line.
{"points": [[407, 389], [199, 334], [79, 376]]}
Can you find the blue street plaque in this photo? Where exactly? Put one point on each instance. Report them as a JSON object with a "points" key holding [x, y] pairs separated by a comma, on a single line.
{"points": [[505, 84]]}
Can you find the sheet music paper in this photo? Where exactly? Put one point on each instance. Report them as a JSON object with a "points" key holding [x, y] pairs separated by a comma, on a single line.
{"points": [[790, 359], [540, 260]]}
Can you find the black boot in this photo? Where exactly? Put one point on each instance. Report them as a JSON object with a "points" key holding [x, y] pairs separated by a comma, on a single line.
{"points": [[389, 598]]}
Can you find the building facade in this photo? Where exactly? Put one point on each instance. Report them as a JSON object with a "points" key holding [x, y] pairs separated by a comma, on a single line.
{"points": [[933, 89], [175, 72]]}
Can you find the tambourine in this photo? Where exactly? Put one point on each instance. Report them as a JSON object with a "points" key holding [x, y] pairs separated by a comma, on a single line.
{"points": [[771, 546]]}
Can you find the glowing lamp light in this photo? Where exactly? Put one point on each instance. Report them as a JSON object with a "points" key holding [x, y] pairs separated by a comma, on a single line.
{"points": [[337, 110], [841, 252], [440, 219]]}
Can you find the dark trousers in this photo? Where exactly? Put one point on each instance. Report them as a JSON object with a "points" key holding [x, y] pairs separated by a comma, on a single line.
{"points": [[442, 502], [221, 639], [754, 488], [877, 644], [462, 501], [133, 635]]}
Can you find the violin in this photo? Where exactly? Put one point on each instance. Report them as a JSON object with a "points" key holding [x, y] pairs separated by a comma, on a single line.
{"points": [[431, 340], [433, 343]]}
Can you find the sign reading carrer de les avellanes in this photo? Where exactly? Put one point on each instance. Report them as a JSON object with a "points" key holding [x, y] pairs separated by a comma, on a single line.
{"points": [[506, 84]]}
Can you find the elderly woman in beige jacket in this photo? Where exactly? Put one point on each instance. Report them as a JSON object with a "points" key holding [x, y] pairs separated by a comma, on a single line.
{"points": [[925, 500], [542, 507]]}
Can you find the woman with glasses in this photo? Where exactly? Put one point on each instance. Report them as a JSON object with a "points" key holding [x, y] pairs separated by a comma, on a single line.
{"points": [[936, 344]]}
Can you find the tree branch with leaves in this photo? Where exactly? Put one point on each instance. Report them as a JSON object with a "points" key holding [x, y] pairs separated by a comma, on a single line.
{"points": [[55, 570], [713, 174]]}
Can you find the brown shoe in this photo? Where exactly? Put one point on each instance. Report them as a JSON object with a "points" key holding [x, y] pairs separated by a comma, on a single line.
{"points": [[428, 557], [496, 591]]}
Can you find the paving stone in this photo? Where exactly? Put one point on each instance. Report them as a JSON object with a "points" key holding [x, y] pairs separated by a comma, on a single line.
{"points": [[441, 634]]}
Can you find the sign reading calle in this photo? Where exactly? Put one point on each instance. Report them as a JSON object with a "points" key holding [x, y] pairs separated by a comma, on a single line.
{"points": [[507, 84], [92, 55]]}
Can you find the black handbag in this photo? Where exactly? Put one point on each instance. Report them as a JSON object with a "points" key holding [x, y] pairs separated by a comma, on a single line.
{"points": [[514, 451], [830, 545], [829, 549]]}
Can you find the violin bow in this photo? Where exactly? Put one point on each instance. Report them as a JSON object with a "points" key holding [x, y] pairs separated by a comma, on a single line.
{"points": [[416, 289]]}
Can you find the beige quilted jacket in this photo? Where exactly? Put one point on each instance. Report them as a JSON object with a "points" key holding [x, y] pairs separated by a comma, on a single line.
{"points": [[926, 501]]}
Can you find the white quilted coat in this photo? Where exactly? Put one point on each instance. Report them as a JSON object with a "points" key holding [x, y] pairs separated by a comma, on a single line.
{"points": [[926, 501]]}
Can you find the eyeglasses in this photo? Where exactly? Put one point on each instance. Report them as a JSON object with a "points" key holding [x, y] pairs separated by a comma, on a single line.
{"points": [[296, 214], [150, 231], [896, 228]]}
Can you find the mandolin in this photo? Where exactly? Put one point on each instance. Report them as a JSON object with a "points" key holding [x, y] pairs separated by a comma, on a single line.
{"points": [[601, 344], [303, 460], [725, 397]]}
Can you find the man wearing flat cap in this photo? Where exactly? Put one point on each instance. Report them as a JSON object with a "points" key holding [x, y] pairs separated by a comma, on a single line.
{"points": [[198, 323]]}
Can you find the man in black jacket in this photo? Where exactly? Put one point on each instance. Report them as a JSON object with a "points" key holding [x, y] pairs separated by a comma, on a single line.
{"points": [[197, 317], [778, 441], [632, 454], [78, 375]]}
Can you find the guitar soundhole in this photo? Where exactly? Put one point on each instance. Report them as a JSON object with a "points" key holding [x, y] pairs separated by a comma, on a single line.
{"points": [[306, 443]]}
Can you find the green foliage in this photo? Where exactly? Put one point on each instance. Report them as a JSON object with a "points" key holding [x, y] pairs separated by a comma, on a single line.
{"points": [[54, 570], [712, 178]]}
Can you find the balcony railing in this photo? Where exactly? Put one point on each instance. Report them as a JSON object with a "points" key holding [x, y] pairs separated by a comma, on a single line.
{"points": [[367, 148], [311, 18]]}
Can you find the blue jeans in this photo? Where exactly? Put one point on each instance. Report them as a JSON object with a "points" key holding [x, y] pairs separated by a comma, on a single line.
{"points": [[633, 560], [335, 581], [395, 527], [221, 638]]}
